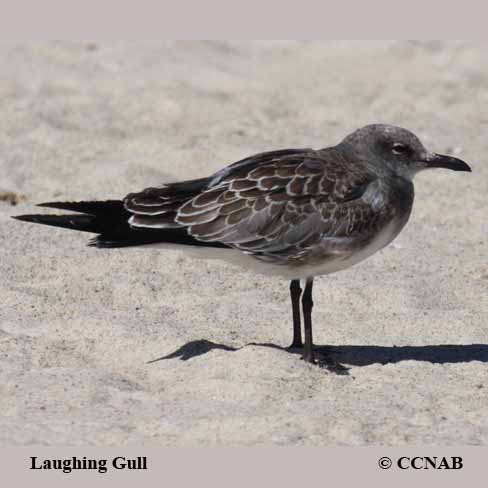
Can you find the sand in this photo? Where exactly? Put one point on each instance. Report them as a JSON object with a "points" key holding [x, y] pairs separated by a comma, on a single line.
{"points": [[407, 329]]}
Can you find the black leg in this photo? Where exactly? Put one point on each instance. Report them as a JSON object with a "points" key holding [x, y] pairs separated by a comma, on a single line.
{"points": [[295, 293], [307, 305]]}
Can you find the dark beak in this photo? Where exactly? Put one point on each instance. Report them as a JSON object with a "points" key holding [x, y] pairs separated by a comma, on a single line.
{"points": [[439, 161]]}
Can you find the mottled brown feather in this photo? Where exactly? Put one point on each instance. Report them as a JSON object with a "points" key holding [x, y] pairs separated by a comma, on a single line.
{"points": [[276, 206]]}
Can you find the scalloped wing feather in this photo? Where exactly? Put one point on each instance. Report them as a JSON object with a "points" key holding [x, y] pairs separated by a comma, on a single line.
{"points": [[279, 206]]}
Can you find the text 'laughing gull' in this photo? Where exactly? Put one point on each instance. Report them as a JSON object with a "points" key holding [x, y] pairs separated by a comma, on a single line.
{"points": [[296, 213]]}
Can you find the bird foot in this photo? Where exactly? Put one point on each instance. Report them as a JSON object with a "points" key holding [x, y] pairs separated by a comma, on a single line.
{"points": [[325, 361], [309, 357], [328, 362]]}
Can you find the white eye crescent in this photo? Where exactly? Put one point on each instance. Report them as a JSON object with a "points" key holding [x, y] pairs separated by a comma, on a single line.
{"points": [[399, 148]]}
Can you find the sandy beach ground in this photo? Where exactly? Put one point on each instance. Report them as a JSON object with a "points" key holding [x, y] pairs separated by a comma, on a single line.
{"points": [[78, 325]]}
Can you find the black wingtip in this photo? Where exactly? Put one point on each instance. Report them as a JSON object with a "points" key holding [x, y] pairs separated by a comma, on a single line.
{"points": [[89, 207], [85, 223], [72, 206], [46, 204], [25, 218]]}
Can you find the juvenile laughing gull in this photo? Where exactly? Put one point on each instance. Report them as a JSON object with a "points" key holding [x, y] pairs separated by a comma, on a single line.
{"points": [[296, 213]]}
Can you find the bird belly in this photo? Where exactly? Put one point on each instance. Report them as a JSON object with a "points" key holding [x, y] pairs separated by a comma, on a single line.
{"points": [[336, 254], [360, 251]]}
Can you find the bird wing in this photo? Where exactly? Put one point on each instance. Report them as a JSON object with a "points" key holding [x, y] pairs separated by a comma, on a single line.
{"points": [[276, 206], [157, 207]]}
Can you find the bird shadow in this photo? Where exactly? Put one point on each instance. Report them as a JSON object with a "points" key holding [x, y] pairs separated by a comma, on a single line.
{"points": [[193, 349], [334, 358]]}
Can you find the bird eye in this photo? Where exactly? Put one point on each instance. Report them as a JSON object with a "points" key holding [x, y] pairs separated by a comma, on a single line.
{"points": [[399, 148]]}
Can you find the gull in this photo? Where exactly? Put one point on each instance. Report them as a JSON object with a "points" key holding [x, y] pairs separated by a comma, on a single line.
{"points": [[293, 213]]}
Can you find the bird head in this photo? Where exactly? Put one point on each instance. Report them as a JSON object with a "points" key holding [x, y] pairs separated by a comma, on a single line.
{"points": [[398, 150]]}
